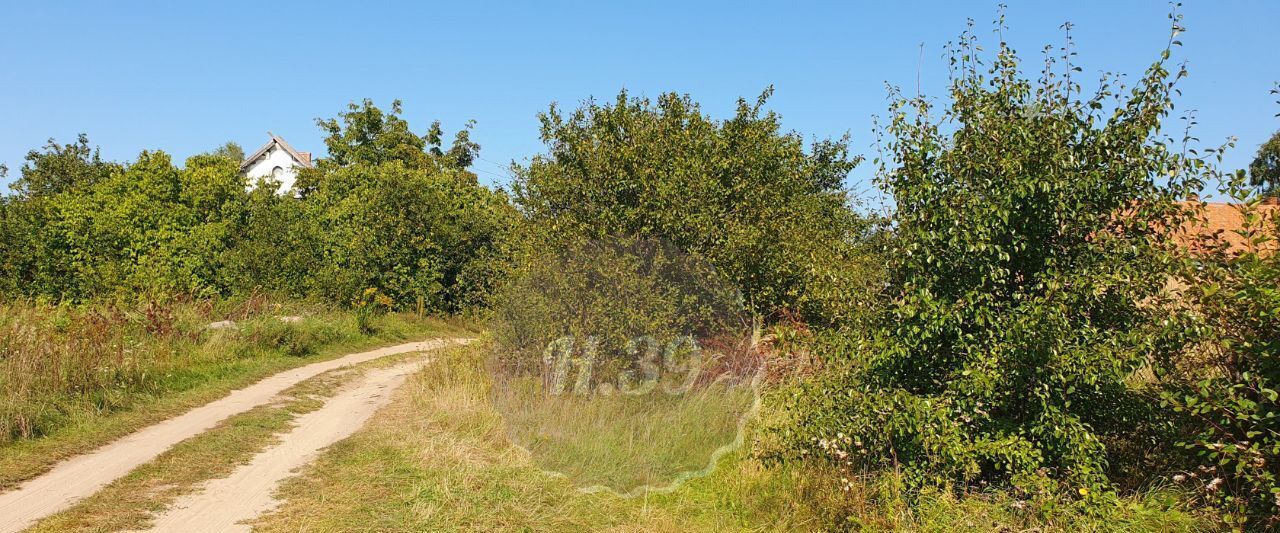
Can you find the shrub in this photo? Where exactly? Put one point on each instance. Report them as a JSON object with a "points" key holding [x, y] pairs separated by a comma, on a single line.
{"points": [[1233, 393], [388, 209], [769, 214], [613, 292], [368, 305], [1032, 248], [397, 212]]}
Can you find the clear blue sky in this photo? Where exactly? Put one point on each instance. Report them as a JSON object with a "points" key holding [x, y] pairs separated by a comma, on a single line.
{"points": [[165, 75]]}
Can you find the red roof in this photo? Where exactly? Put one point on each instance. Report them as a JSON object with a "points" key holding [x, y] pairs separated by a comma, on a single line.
{"points": [[1226, 221]]}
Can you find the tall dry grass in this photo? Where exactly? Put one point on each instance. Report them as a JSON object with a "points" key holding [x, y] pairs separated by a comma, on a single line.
{"points": [[61, 363], [98, 353]]}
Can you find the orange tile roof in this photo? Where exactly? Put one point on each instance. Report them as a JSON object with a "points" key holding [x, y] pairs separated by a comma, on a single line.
{"points": [[1225, 221]]}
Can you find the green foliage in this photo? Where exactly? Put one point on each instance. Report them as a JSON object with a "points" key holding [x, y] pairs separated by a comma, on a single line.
{"points": [[61, 168], [231, 150], [1232, 393], [15, 236], [1031, 249], [367, 135], [766, 212], [1264, 171], [612, 292], [411, 233], [278, 249], [146, 227], [388, 209]]}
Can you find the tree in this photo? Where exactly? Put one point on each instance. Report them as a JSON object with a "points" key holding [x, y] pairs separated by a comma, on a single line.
{"points": [[365, 134], [401, 214], [278, 248], [369, 135], [1232, 393], [1264, 171], [231, 150], [146, 227], [410, 233], [61, 168], [1033, 244], [15, 237], [766, 211]]}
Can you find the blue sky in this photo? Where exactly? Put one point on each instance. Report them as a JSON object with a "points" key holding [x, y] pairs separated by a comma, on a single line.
{"points": [[165, 75]]}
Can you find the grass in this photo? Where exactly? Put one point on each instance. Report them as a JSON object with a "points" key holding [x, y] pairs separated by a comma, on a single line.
{"points": [[438, 459], [131, 502], [77, 378], [622, 442]]}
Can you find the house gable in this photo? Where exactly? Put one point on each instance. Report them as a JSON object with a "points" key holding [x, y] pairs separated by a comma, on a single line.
{"points": [[275, 159]]}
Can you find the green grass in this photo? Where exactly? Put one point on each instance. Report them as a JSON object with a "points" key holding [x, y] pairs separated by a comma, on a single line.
{"points": [[438, 459], [622, 442], [173, 372]]}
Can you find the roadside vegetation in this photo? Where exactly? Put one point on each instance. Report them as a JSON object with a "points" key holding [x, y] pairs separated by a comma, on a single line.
{"points": [[1034, 336], [438, 459], [132, 502], [76, 377]]}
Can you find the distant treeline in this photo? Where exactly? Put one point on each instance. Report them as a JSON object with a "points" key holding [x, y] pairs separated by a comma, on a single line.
{"points": [[400, 212]]}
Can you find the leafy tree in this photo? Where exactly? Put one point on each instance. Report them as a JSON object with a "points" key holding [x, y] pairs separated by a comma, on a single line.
{"points": [[390, 210], [367, 135], [14, 247], [278, 247], [462, 153], [1032, 248], [126, 233], [410, 233], [1264, 171], [749, 197], [1232, 393], [61, 168], [401, 214], [142, 228], [231, 150]]}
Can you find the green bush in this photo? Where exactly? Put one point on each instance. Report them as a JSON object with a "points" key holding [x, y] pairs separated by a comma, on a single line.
{"points": [[295, 339], [613, 292], [1232, 393], [388, 209], [1032, 249], [769, 214]]}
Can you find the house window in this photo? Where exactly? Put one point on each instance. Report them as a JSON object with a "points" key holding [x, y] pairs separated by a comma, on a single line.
{"points": [[277, 172]]}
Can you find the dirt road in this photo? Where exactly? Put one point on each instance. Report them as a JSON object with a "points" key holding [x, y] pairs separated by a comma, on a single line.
{"points": [[246, 493], [81, 476]]}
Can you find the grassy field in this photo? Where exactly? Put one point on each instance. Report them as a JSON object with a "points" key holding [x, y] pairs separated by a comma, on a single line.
{"points": [[622, 442], [438, 458], [77, 378]]}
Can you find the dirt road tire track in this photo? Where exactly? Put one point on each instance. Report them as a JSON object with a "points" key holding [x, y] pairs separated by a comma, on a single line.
{"points": [[247, 493], [76, 478]]}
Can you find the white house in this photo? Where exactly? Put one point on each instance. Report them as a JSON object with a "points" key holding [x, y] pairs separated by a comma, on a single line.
{"points": [[278, 160]]}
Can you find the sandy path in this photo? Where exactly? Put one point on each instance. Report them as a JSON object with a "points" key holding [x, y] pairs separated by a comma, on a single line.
{"points": [[247, 492], [81, 476]]}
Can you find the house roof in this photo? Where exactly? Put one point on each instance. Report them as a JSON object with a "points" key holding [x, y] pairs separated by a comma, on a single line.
{"points": [[1224, 221], [303, 158]]}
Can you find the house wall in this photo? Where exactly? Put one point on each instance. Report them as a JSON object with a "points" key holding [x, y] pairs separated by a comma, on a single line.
{"points": [[275, 157]]}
